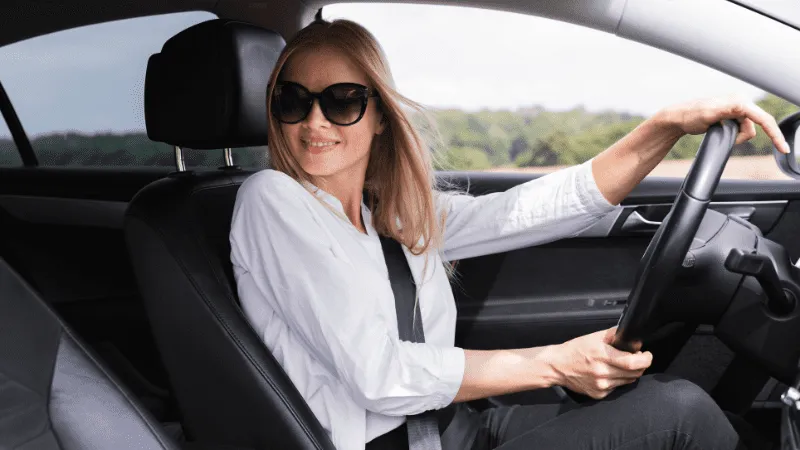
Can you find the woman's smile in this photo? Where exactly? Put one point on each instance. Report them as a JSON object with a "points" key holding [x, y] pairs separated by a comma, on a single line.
{"points": [[319, 146]]}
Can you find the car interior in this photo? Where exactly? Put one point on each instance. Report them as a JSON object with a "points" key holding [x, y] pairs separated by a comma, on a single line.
{"points": [[119, 320]]}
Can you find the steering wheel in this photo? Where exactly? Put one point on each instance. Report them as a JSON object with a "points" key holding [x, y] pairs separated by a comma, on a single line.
{"points": [[670, 244]]}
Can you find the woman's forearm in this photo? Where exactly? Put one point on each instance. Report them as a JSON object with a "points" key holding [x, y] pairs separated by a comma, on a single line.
{"points": [[496, 372], [618, 169], [586, 364]]}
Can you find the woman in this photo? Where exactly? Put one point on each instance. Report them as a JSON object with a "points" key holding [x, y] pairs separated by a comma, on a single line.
{"points": [[313, 282]]}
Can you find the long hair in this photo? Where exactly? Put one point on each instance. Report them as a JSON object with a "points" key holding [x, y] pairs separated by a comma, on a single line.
{"points": [[400, 179]]}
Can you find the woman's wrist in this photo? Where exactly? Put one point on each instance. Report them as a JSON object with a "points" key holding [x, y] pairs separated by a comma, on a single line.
{"points": [[544, 363], [667, 123]]}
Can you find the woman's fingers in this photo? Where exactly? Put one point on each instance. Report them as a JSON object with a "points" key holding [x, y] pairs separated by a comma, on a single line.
{"points": [[696, 116], [606, 386], [607, 370], [609, 336], [632, 361], [625, 360], [747, 130], [746, 111], [592, 366], [752, 112]]}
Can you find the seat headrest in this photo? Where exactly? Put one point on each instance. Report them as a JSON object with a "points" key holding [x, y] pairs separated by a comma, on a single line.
{"points": [[207, 88]]}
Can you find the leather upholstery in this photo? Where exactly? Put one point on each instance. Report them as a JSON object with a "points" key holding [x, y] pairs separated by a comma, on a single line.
{"points": [[229, 387], [53, 393], [207, 88]]}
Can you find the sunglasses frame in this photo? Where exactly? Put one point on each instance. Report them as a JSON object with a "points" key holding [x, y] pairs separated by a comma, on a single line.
{"points": [[365, 95]]}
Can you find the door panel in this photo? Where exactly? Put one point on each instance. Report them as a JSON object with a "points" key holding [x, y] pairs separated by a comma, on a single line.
{"points": [[551, 293], [545, 294], [63, 234], [65, 229]]}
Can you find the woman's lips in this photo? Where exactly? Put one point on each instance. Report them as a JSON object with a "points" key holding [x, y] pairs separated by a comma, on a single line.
{"points": [[317, 149]]}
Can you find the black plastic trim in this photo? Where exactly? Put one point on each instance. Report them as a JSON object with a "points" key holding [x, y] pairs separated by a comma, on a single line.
{"points": [[21, 140], [651, 190], [788, 163]]}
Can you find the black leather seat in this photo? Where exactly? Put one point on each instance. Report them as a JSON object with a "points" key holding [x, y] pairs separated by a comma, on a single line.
{"points": [[206, 89], [54, 394]]}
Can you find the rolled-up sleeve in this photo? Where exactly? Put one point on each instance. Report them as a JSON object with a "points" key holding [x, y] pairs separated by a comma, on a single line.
{"points": [[558, 205], [324, 300]]}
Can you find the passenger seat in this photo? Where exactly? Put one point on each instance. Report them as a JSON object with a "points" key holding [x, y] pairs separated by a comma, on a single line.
{"points": [[54, 394]]}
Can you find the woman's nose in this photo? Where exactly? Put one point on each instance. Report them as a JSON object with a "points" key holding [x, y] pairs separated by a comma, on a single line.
{"points": [[315, 117]]}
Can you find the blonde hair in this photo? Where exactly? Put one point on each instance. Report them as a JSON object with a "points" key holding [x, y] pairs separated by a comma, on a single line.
{"points": [[400, 178]]}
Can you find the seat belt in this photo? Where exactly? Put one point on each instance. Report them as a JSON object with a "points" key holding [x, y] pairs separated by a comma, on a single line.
{"points": [[423, 428]]}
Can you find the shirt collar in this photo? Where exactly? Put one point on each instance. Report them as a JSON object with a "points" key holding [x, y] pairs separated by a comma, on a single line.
{"points": [[326, 197], [334, 202]]}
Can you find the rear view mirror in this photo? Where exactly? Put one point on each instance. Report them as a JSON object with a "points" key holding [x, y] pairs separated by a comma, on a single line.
{"points": [[790, 164]]}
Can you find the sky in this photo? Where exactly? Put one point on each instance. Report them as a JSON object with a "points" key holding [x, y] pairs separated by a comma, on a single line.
{"points": [[91, 79]]}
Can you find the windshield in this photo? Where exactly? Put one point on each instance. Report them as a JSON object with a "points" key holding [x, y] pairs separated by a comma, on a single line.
{"points": [[525, 94]]}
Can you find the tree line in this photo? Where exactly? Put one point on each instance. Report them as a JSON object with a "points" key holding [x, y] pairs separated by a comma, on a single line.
{"points": [[526, 137]]}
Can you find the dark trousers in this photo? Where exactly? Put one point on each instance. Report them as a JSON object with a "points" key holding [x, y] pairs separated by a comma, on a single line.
{"points": [[655, 412]]}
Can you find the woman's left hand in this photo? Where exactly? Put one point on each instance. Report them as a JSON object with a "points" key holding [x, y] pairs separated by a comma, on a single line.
{"points": [[696, 116]]}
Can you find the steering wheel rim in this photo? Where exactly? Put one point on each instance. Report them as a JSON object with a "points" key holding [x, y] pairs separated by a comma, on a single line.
{"points": [[665, 253]]}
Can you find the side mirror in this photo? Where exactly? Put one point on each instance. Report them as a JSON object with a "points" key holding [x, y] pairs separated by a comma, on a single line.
{"points": [[790, 163]]}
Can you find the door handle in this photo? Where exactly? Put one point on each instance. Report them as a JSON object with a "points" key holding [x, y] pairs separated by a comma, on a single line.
{"points": [[743, 212], [635, 223]]}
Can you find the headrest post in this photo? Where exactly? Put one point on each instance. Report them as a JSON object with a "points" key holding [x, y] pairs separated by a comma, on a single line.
{"points": [[228, 157], [180, 164]]}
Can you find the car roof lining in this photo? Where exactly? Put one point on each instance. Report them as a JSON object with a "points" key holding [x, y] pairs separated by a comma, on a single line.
{"points": [[38, 18], [20, 21]]}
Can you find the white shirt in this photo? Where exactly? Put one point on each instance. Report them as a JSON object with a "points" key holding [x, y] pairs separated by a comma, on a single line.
{"points": [[316, 290]]}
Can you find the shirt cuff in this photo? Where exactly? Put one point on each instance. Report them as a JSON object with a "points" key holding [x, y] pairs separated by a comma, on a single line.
{"points": [[593, 199], [452, 374]]}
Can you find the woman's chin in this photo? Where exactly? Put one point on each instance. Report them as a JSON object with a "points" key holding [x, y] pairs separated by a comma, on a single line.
{"points": [[330, 163], [322, 150], [321, 167]]}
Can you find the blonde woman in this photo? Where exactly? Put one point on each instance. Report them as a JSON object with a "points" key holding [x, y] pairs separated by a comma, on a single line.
{"points": [[313, 282]]}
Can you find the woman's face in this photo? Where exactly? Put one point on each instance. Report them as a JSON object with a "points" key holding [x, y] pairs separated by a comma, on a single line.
{"points": [[323, 149]]}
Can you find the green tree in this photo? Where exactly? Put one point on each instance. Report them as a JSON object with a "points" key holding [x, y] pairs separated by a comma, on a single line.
{"points": [[464, 158], [778, 108], [530, 136]]}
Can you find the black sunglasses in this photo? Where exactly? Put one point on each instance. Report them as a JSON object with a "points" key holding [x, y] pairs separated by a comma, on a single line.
{"points": [[342, 103]]}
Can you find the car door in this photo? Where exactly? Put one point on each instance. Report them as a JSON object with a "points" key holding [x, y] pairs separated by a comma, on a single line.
{"points": [[548, 95], [550, 293]]}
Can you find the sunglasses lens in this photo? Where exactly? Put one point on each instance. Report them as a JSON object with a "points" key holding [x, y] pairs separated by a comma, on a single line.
{"points": [[344, 104], [290, 103]]}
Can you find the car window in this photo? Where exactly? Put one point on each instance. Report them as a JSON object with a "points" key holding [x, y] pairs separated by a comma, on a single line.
{"points": [[516, 93], [79, 93], [9, 156]]}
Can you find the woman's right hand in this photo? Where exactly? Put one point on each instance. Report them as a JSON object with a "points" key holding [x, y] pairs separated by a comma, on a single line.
{"points": [[590, 365]]}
